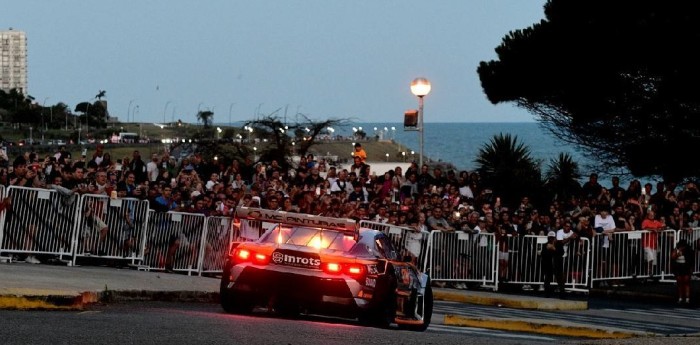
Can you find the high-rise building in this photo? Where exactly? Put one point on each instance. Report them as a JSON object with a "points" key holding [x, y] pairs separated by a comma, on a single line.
{"points": [[13, 61]]}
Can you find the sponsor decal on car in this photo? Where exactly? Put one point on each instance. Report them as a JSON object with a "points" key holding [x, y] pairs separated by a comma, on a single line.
{"points": [[295, 259], [370, 282]]}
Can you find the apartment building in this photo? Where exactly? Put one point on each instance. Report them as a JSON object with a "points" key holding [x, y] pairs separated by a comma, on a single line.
{"points": [[13, 60]]}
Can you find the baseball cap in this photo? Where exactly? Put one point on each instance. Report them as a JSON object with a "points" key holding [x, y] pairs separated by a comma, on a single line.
{"points": [[552, 234]]}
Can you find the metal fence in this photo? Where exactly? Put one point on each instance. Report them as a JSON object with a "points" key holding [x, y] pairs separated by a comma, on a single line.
{"points": [[463, 258], [40, 221], [692, 236], [632, 254], [219, 235], [174, 241], [408, 241], [111, 228], [48, 222]]}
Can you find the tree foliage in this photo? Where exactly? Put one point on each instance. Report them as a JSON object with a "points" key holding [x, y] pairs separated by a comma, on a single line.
{"points": [[287, 139], [94, 114], [618, 79], [206, 117], [506, 166], [561, 178]]}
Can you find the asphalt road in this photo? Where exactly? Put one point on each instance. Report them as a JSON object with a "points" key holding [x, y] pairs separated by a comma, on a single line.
{"points": [[184, 323]]}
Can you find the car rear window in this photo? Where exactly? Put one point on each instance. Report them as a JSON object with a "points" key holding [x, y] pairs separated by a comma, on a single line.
{"points": [[310, 237]]}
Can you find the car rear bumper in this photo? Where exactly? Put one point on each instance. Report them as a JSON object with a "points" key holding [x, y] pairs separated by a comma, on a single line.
{"points": [[310, 289]]}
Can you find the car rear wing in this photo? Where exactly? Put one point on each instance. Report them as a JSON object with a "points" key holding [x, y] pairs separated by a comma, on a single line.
{"points": [[298, 219]]}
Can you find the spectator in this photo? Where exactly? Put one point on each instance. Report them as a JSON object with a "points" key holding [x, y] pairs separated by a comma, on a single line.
{"points": [[683, 263], [360, 153], [552, 256], [152, 168]]}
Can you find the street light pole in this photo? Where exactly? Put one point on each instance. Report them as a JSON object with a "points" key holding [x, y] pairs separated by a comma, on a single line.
{"points": [[420, 87], [229, 114], [43, 127], [164, 109], [128, 110]]}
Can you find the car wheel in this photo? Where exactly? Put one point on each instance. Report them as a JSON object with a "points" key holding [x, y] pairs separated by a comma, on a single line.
{"points": [[233, 302], [382, 314], [427, 311]]}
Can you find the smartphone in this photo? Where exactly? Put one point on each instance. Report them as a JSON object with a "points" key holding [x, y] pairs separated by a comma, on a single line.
{"points": [[318, 191]]}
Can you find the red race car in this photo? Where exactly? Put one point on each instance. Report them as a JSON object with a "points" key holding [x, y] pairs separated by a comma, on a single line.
{"points": [[320, 265]]}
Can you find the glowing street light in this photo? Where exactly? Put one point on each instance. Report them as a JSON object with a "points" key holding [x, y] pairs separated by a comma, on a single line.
{"points": [[420, 87]]}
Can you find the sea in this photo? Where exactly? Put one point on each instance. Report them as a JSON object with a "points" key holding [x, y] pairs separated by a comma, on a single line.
{"points": [[459, 143]]}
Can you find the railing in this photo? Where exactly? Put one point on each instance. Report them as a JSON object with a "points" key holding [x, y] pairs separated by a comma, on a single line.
{"points": [[110, 228], [49, 222], [408, 241], [461, 257], [175, 241], [39, 221]]}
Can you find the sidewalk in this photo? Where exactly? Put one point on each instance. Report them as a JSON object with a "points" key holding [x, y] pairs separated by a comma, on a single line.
{"points": [[26, 286]]}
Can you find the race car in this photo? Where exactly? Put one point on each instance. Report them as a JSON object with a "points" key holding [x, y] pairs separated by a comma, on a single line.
{"points": [[325, 266]]}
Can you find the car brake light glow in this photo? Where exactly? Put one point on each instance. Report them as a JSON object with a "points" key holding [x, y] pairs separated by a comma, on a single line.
{"points": [[243, 254], [354, 269], [261, 259], [349, 269], [333, 267]]}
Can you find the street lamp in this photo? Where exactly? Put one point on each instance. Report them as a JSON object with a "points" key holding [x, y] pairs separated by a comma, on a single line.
{"points": [[420, 87], [230, 107], [43, 126], [164, 109], [128, 110], [387, 157]]}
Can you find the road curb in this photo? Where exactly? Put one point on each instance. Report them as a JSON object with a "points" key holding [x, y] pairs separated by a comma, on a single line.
{"points": [[48, 302], [521, 302], [542, 327], [60, 301]]}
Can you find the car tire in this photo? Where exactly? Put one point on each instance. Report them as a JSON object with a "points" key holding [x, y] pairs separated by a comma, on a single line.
{"points": [[427, 311], [233, 302], [382, 314]]}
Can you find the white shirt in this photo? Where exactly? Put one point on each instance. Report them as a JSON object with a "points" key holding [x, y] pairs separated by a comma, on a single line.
{"points": [[562, 235], [607, 223], [152, 170]]}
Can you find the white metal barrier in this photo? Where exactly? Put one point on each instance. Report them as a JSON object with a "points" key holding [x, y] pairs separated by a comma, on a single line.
{"points": [[174, 241], [219, 236], [692, 236], [40, 221], [111, 228], [632, 254], [462, 257], [408, 241]]}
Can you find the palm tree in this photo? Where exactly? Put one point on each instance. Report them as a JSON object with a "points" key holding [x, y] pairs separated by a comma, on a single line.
{"points": [[206, 117], [562, 177], [507, 167]]}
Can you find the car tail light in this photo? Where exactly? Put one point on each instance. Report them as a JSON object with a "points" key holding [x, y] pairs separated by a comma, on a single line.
{"points": [[332, 268], [242, 255], [354, 270], [245, 255], [261, 259]]}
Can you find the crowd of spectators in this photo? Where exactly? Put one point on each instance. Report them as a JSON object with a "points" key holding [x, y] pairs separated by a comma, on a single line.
{"points": [[419, 197], [423, 198]]}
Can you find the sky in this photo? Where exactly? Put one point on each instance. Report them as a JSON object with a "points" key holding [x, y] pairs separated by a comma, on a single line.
{"points": [[160, 60]]}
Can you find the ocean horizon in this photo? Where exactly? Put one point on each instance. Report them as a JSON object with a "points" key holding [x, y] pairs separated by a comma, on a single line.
{"points": [[459, 143]]}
